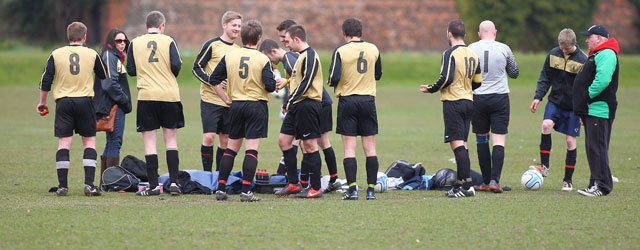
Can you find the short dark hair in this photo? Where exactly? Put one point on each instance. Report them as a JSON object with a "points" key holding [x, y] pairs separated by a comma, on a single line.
{"points": [[352, 27], [456, 27], [155, 19], [284, 25], [251, 32], [297, 31], [76, 31], [267, 45]]}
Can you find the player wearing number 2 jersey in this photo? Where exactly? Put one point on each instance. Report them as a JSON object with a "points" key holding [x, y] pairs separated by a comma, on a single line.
{"points": [[70, 71], [491, 103], [459, 75], [155, 60]]}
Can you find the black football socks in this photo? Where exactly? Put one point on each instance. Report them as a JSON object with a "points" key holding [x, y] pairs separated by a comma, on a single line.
{"points": [[484, 157], [372, 171], [62, 167], [249, 166], [350, 170], [219, 154], [545, 149], [89, 162], [332, 165], [206, 152], [152, 170], [463, 166], [173, 164], [570, 164], [290, 161], [226, 164], [497, 161]]}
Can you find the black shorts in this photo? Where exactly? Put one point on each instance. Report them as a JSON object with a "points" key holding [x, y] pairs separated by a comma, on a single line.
{"points": [[75, 114], [457, 119], [357, 116], [303, 121], [215, 118], [491, 112], [152, 115], [326, 119], [248, 119]]}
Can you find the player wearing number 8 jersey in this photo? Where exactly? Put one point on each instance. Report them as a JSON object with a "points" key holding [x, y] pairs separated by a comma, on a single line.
{"points": [[250, 79], [459, 75], [491, 103], [355, 67], [155, 60], [70, 71]]}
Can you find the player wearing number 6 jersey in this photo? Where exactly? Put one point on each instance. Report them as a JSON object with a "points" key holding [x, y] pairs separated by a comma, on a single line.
{"points": [[355, 67], [250, 79], [155, 60], [70, 71], [491, 103], [459, 75]]}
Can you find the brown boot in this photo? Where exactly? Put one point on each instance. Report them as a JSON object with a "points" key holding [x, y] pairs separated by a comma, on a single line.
{"points": [[113, 161], [103, 166]]}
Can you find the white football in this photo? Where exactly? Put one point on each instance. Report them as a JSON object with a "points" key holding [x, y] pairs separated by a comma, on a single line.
{"points": [[532, 180]]}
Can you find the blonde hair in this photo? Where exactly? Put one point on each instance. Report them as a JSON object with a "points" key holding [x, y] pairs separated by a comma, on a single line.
{"points": [[230, 16], [567, 38]]}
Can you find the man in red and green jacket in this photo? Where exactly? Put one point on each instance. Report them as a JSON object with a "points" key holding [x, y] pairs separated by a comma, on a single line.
{"points": [[594, 101]]}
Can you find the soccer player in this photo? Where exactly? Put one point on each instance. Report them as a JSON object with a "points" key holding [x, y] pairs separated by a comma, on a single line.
{"points": [[558, 73], [213, 110], [595, 101], [355, 68], [276, 54], [250, 79], [459, 76], [69, 71], [155, 60], [303, 115], [491, 103]]}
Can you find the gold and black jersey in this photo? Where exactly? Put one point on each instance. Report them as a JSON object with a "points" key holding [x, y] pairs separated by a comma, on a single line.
{"points": [[248, 73], [211, 53], [306, 78], [354, 69], [460, 68], [70, 70], [155, 60]]}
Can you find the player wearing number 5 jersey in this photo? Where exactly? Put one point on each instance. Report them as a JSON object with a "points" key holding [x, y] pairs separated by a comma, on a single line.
{"points": [[69, 71], [250, 79], [155, 60], [491, 103], [459, 75], [355, 68]]}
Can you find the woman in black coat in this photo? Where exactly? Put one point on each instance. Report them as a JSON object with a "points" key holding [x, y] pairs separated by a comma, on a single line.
{"points": [[113, 91]]}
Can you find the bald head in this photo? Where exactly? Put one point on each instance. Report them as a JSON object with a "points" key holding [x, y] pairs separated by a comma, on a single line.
{"points": [[487, 30]]}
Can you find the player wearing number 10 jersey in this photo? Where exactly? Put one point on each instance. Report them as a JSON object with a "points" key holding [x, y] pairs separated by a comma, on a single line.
{"points": [[355, 67], [459, 75]]}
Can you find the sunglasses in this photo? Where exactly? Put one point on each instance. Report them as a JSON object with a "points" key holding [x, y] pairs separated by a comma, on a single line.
{"points": [[120, 40]]}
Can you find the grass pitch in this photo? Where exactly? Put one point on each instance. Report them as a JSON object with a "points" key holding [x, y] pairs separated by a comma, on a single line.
{"points": [[411, 128]]}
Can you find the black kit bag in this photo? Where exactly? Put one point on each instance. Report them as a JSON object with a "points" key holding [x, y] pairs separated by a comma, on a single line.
{"points": [[135, 166]]}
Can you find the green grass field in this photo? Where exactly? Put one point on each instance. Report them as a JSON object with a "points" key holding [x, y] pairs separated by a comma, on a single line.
{"points": [[411, 128]]}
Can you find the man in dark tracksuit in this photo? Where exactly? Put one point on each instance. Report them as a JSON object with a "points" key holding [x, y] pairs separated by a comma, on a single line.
{"points": [[594, 100]]}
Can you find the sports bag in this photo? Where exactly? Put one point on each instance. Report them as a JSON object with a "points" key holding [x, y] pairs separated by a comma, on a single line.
{"points": [[404, 169], [135, 166], [116, 179]]}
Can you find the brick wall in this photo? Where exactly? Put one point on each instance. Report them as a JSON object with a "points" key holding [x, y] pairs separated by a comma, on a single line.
{"points": [[394, 25], [619, 16]]}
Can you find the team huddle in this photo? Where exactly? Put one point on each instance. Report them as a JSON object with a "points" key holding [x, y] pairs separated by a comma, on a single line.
{"points": [[236, 81]]}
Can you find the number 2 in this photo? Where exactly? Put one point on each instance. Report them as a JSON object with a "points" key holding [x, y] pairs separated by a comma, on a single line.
{"points": [[153, 46]]}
